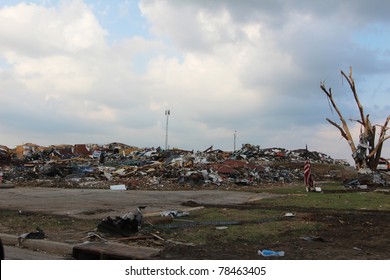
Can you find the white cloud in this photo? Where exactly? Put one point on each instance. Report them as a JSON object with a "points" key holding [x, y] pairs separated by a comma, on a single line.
{"points": [[219, 66], [71, 27], [44, 45]]}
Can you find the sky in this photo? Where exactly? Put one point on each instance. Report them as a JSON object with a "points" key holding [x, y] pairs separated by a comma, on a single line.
{"points": [[83, 71]]}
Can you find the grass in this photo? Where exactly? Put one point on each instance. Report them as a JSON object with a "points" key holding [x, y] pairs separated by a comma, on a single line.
{"points": [[14, 222], [246, 233], [258, 224], [356, 201], [295, 198]]}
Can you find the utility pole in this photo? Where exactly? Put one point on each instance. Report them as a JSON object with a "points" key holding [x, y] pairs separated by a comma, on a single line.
{"points": [[235, 136], [167, 113]]}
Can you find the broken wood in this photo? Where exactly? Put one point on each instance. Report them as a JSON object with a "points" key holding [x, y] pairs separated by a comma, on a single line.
{"points": [[134, 238], [180, 243], [158, 237]]}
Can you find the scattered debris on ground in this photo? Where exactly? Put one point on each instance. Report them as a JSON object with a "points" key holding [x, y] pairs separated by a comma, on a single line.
{"points": [[126, 225], [37, 234], [119, 167], [270, 253]]}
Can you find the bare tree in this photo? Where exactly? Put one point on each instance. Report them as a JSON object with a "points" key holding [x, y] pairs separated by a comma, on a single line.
{"points": [[368, 151]]}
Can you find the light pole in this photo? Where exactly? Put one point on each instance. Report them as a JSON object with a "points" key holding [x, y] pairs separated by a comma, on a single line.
{"points": [[167, 113], [235, 136]]}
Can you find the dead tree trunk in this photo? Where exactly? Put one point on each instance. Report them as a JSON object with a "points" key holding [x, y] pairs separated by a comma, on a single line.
{"points": [[367, 153]]}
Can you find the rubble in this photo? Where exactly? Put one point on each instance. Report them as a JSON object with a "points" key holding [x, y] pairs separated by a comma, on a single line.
{"points": [[120, 166], [37, 234], [126, 225]]}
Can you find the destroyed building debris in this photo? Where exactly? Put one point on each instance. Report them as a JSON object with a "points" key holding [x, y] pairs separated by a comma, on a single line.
{"points": [[37, 234], [117, 164], [126, 225]]}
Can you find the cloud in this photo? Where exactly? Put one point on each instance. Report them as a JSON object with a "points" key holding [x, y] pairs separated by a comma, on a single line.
{"points": [[70, 27], [219, 66]]}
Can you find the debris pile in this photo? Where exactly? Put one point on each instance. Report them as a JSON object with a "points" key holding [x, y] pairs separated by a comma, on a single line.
{"points": [[126, 225], [118, 166]]}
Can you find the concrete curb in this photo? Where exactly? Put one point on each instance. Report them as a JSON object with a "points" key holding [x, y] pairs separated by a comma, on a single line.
{"points": [[38, 244], [106, 250]]}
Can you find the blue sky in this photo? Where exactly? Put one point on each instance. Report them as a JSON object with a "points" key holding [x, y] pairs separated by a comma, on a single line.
{"points": [[77, 71], [122, 19]]}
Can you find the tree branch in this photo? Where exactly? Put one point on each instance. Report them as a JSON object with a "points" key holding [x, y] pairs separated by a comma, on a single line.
{"points": [[339, 127], [384, 128], [344, 130], [353, 88], [382, 137], [378, 145]]}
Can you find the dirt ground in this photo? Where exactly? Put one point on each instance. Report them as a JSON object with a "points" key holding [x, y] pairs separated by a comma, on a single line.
{"points": [[348, 235]]}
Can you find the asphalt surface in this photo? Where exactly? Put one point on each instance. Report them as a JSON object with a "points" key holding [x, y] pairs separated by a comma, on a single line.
{"points": [[15, 253], [99, 203]]}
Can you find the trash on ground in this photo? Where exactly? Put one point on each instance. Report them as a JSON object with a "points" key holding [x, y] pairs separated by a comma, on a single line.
{"points": [[312, 238], [181, 243], [126, 225], [174, 214], [289, 215], [313, 189], [93, 237], [352, 183], [118, 226], [118, 188], [386, 191], [37, 234], [270, 253], [368, 180], [221, 228], [365, 171], [157, 236]]}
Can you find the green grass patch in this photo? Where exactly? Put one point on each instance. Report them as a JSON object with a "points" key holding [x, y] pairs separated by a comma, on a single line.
{"points": [[337, 201], [294, 197], [18, 223], [260, 227]]}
